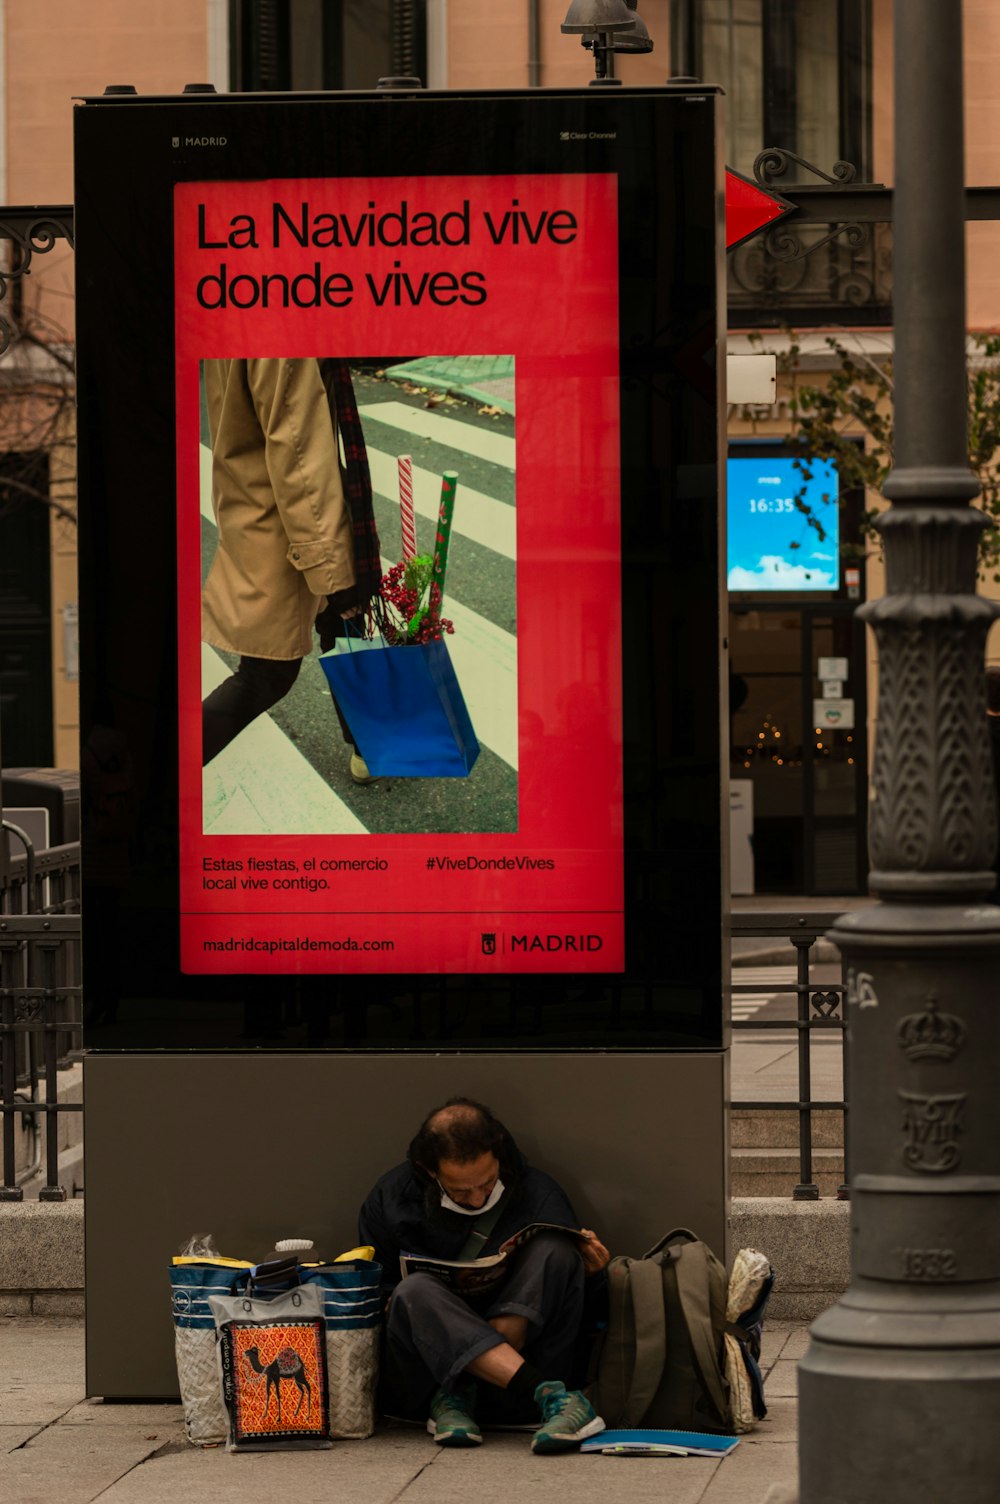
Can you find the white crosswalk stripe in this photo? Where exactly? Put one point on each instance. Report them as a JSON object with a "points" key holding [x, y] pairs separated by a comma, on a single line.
{"points": [[491, 523], [293, 799], [420, 423], [767, 982]]}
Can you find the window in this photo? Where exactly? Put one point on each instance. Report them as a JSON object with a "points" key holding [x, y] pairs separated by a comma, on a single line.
{"points": [[25, 610], [325, 44], [796, 75]]}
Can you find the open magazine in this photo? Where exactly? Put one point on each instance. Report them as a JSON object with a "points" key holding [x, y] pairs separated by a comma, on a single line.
{"points": [[473, 1275], [660, 1444]]}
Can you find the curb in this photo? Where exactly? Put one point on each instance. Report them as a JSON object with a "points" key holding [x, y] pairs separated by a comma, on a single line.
{"points": [[41, 1258], [808, 1244], [42, 1272]]}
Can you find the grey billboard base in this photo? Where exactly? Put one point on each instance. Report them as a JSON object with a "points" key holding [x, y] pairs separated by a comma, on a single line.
{"points": [[254, 1147]]}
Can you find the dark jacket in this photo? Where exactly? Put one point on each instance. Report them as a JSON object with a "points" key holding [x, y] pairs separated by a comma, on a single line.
{"points": [[403, 1214]]}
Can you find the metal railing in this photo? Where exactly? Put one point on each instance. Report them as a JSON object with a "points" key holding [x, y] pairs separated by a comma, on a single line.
{"points": [[36, 882], [820, 1008], [40, 1004]]}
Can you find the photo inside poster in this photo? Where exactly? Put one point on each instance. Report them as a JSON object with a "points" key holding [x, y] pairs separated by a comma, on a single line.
{"points": [[387, 704]]}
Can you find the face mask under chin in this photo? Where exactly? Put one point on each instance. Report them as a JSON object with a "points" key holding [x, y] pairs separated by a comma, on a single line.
{"points": [[471, 1211]]}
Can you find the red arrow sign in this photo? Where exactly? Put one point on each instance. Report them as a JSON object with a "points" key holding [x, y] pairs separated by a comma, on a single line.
{"points": [[749, 208]]}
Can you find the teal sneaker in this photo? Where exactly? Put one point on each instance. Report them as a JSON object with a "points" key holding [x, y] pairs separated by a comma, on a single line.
{"points": [[451, 1422], [568, 1418]]}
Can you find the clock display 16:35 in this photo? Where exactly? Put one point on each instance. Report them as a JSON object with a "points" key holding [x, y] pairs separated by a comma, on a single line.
{"points": [[771, 504]]}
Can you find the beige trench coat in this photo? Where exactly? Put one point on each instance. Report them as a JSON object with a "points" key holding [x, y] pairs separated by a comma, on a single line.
{"points": [[285, 538]]}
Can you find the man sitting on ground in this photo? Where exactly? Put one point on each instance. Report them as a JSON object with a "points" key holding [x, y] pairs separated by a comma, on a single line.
{"points": [[510, 1350]]}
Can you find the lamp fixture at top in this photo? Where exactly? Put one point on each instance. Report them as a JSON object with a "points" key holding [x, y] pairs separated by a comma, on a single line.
{"points": [[596, 16], [638, 40]]}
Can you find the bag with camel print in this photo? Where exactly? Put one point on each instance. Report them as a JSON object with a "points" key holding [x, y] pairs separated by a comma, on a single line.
{"points": [[349, 1288], [272, 1361]]}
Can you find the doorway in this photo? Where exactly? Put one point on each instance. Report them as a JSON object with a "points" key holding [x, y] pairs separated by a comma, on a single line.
{"points": [[798, 696], [25, 612]]}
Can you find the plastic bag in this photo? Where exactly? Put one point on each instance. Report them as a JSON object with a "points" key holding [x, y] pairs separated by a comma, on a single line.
{"points": [[200, 1245]]}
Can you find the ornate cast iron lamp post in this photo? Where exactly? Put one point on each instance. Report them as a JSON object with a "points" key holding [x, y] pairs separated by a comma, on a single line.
{"points": [[900, 1389]]}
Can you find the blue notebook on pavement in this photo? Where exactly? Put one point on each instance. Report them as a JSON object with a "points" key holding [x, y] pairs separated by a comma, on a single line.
{"points": [[660, 1444]]}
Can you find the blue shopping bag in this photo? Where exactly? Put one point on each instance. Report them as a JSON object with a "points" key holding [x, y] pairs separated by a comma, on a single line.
{"points": [[404, 707]]}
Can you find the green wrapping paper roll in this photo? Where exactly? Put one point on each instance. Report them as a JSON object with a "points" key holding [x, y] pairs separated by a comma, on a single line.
{"points": [[442, 538], [446, 511]]}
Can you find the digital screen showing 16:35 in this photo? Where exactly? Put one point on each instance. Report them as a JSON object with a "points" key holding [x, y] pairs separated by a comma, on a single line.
{"points": [[783, 524]]}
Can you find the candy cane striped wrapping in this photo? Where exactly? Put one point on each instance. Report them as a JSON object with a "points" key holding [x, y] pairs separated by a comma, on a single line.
{"points": [[407, 521]]}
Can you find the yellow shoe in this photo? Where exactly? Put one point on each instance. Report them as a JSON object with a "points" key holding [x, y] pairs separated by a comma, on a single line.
{"points": [[359, 769]]}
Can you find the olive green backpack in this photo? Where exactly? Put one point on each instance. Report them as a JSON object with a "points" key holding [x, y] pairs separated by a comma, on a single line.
{"points": [[661, 1361]]}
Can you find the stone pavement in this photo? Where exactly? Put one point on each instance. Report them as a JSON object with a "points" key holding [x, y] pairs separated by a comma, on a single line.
{"points": [[56, 1447], [764, 1066]]}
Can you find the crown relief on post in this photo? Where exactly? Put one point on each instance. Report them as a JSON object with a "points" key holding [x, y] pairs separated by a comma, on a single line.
{"points": [[931, 1035]]}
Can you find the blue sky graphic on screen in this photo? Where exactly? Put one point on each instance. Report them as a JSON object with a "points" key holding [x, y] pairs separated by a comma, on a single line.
{"points": [[772, 545]]}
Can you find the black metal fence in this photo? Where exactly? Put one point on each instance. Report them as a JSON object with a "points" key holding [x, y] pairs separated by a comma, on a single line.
{"points": [[41, 1011], [40, 1004], [819, 1008]]}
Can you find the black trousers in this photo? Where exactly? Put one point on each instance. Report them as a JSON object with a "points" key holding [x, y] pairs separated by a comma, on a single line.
{"points": [[432, 1334], [257, 684]]}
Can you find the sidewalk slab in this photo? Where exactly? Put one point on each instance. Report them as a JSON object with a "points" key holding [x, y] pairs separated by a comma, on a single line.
{"points": [[505, 1468], [766, 1067], [149, 1417], [41, 1371], [12, 1437], [378, 1471], [62, 1465], [84, 1450], [783, 1380], [747, 1476], [37, 1405], [777, 1429], [797, 1343]]}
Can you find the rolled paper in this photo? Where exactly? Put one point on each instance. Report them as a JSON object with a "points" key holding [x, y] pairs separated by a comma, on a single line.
{"points": [[407, 521], [449, 485]]}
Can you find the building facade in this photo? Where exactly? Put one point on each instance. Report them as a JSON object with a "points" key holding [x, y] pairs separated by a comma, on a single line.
{"points": [[811, 77]]}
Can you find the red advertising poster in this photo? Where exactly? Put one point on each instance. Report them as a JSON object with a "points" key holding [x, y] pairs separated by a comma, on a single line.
{"points": [[399, 574]]}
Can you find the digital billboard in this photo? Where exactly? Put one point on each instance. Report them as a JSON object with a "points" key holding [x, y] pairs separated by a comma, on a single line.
{"points": [[399, 568], [783, 524]]}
